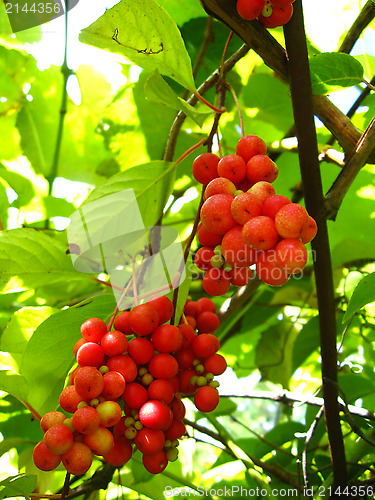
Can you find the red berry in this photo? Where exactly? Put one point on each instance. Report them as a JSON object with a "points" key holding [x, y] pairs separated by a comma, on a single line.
{"points": [[149, 441], [205, 345], [114, 385], [90, 354], [202, 258], [141, 350], [185, 358], [309, 233], [86, 420], [262, 190], [206, 304], [206, 238], [188, 334], [122, 323], [144, 319], [279, 17], [240, 276], [119, 454], [58, 439], [78, 459], [260, 233], [167, 338], [162, 390], [206, 398], [163, 365], [192, 308], [251, 145], [235, 250], [244, 207], [93, 329], [135, 395], [50, 419], [232, 167], [216, 282], [164, 307], [100, 441], [250, 9], [69, 398], [215, 364], [109, 412], [207, 322], [44, 459], [261, 168], [114, 343], [155, 414], [220, 185], [205, 167], [216, 213], [77, 345], [155, 463], [291, 220], [269, 270], [176, 430], [291, 254], [185, 377], [88, 382], [125, 365], [273, 204]]}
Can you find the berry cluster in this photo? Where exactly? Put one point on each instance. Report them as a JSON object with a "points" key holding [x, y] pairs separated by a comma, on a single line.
{"points": [[271, 13], [243, 222], [126, 390]]}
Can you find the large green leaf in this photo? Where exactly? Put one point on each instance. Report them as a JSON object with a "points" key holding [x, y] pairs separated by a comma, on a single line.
{"points": [[49, 353], [363, 294], [332, 70], [182, 10], [30, 259], [144, 33], [158, 90], [20, 184], [17, 486]]}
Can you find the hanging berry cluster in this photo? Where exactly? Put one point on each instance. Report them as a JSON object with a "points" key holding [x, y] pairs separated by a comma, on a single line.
{"points": [[271, 13], [125, 394], [244, 223]]}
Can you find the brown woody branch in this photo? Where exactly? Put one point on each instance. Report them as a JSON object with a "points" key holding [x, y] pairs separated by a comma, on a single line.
{"points": [[274, 56]]}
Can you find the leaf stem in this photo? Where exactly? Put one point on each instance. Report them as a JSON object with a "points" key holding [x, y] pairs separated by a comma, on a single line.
{"points": [[211, 106]]}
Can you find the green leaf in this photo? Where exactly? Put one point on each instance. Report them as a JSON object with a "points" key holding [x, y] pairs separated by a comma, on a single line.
{"points": [[158, 90], [144, 33], [152, 183], [10, 443], [13, 383], [30, 259], [182, 10], [16, 486], [332, 70], [20, 184], [49, 353], [364, 293]]}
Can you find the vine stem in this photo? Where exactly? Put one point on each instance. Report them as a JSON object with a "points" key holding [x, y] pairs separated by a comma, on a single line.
{"points": [[66, 72], [211, 106], [300, 85], [238, 110]]}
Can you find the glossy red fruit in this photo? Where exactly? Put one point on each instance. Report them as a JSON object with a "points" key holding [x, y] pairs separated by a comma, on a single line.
{"points": [[114, 343], [162, 390], [206, 238], [122, 323], [240, 276], [185, 358], [250, 9], [155, 463], [232, 167], [188, 334], [93, 329], [141, 350], [149, 441], [50, 419], [176, 430], [44, 459], [185, 376], [205, 345], [291, 220], [114, 385], [206, 398], [269, 270], [167, 338], [100, 441], [207, 322], [202, 258], [78, 459], [273, 204], [216, 282], [215, 364], [216, 215], [279, 17], [125, 365], [69, 399], [235, 250], [58, 439], [292, 255], [220, 185], [163, 365], [192, 308], [205, 167], [244, 207], [86, 420], [90, 354], [262, 190], [206, 304], [144, 319], [260, 233], [120, 454], [164, 307], [135, 395], [309, 233], [88, 382], [109, 412], [251, 145], [261, 168], [155, 414]]}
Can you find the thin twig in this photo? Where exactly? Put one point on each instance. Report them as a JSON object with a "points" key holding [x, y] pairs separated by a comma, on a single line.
{"points": [[309, 436], [364, 18]]}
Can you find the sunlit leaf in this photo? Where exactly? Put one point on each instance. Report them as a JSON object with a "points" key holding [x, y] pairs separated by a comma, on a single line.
{"points": [[364, 293]]}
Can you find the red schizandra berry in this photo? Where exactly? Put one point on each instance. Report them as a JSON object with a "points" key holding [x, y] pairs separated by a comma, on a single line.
{"points": [[205, 167]]}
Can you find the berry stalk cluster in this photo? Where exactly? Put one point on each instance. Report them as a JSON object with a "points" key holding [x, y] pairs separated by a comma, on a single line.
{"points": [[243, 222], [271, 13], [125, 394]]}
